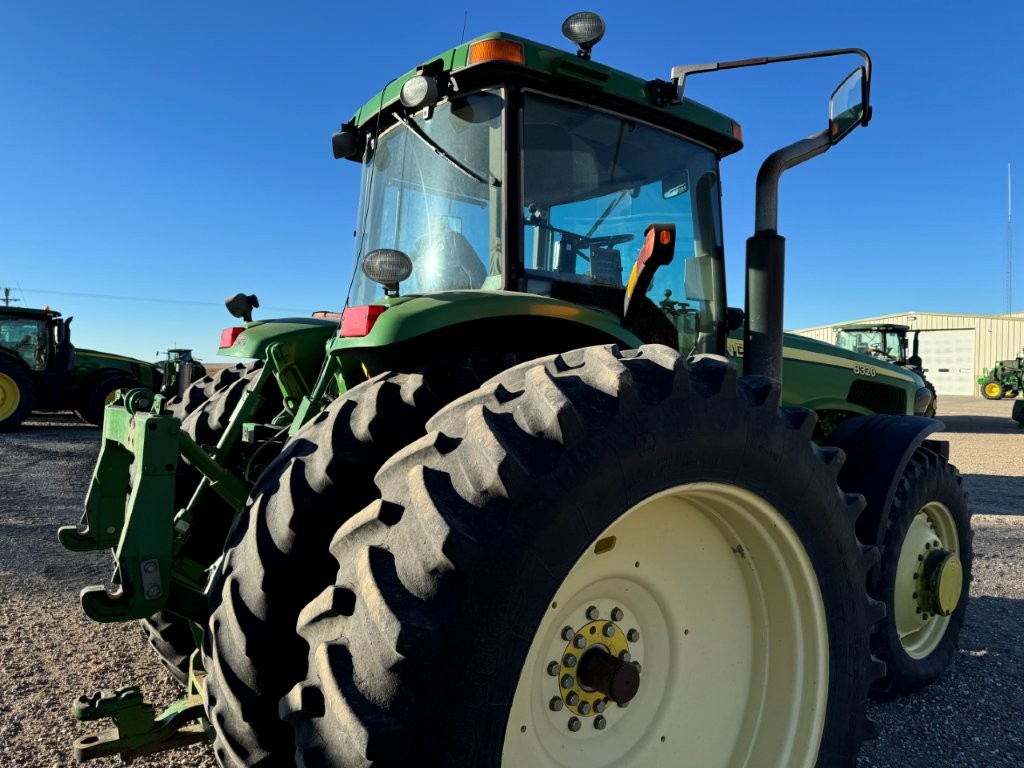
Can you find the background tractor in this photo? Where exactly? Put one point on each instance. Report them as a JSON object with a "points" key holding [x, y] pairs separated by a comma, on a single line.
{"points": [[517, 505], [40, 370], [889, 342], [179, 369], [1005, 379]]}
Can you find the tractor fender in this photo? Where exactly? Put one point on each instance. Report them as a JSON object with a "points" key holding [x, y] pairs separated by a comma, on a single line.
{"points": [[877, 450]]}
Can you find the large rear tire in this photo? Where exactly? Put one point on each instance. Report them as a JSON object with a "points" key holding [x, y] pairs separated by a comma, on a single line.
{"points": [[276, 559], [925, 575], [16, 396], [597, 502]]}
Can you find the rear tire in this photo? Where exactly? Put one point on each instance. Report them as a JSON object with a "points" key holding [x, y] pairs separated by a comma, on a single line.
{"points": [[16, 396], [100, 393], [992, 390], [592, 492], [928, 521], [276, 559]]}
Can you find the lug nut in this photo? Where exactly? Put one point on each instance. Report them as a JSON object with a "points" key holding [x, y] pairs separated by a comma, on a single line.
{"points": [[617, 614], [585, 708], [608, 630], [593, 613], [579, 641], [555, 704], [626, 656], [567, 633], [599, 706], [572, 699], [600, 723], [553, 668], [568, 681], [574, 724], [569, 660], [633, 635]]}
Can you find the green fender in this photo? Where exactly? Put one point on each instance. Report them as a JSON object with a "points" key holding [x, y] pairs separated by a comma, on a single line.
{"points": [[414, 327]]}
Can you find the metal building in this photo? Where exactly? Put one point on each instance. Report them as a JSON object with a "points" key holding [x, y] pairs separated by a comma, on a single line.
{"points": [[956, 349]]}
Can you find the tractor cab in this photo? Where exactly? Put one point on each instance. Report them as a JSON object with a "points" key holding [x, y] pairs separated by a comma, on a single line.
{"points": [[886, 342], [40, 338], [513, 186], [581, 201]]}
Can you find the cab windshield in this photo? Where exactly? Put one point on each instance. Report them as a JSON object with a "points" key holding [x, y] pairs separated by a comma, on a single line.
{"points": [[445, 215], [592, 183], [876, 342]]}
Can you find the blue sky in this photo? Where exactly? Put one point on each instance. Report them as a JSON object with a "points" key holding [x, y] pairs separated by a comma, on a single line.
{"points": [[171, 154]]}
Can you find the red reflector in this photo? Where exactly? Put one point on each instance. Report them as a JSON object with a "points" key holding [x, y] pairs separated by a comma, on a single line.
{"points": [[228, 336], [358, 321]]}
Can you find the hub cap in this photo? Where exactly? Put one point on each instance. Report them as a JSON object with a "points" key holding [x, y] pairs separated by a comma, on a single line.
{"points": [[691, 629], [929, 580]]}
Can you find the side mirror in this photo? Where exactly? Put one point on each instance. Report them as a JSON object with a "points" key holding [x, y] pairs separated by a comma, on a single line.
{"points": [[848, 106]]}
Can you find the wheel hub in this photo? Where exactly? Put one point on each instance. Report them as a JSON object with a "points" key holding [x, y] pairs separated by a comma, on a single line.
{"points": [[942, 579], [597, 669]]}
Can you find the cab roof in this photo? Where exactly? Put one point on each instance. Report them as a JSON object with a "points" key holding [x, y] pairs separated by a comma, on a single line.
{"points": [[561, 66]]}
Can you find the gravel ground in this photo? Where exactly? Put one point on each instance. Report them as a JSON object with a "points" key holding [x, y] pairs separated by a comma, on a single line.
{"points": [[51, 654]]}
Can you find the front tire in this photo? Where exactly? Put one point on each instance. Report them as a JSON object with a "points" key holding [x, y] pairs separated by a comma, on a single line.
{"points": [[631, 501], [925, 575], [100, 393]]}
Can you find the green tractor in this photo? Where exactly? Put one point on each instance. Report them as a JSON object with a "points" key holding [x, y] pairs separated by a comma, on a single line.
{"points": [[516, 505], [889, 342], [1005, 379], [179, 369], [40, 370]]}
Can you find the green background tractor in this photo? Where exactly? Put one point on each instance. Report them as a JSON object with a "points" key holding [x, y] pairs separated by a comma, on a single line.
{"points": [[517, 502], [40, 370], [1005, 379]]}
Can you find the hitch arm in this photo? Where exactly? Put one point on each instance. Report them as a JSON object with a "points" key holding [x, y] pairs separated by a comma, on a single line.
{"points": [[138, 731]]}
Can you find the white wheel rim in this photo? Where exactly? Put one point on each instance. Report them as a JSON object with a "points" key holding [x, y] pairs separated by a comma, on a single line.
{"points": [[932, 528], [734, 669]]}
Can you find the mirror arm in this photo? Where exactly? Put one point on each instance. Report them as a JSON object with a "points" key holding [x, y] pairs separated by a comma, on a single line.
{"points": [[679, 73]]}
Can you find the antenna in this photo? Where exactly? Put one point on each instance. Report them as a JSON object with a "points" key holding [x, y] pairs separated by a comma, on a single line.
{"points": [[465, 19], [1008, 263]]}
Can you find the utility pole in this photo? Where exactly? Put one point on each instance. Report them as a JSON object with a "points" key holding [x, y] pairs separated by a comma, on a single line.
{"points": [[7, 297], [1008, 263]]}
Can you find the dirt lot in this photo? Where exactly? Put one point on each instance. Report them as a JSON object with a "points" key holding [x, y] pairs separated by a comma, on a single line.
{"points": [[50, 653]]}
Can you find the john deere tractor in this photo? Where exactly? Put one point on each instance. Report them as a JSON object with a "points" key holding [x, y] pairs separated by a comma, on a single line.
{"points": [[516, 505], [889, 342], [1004, 379], [40, 370]]}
